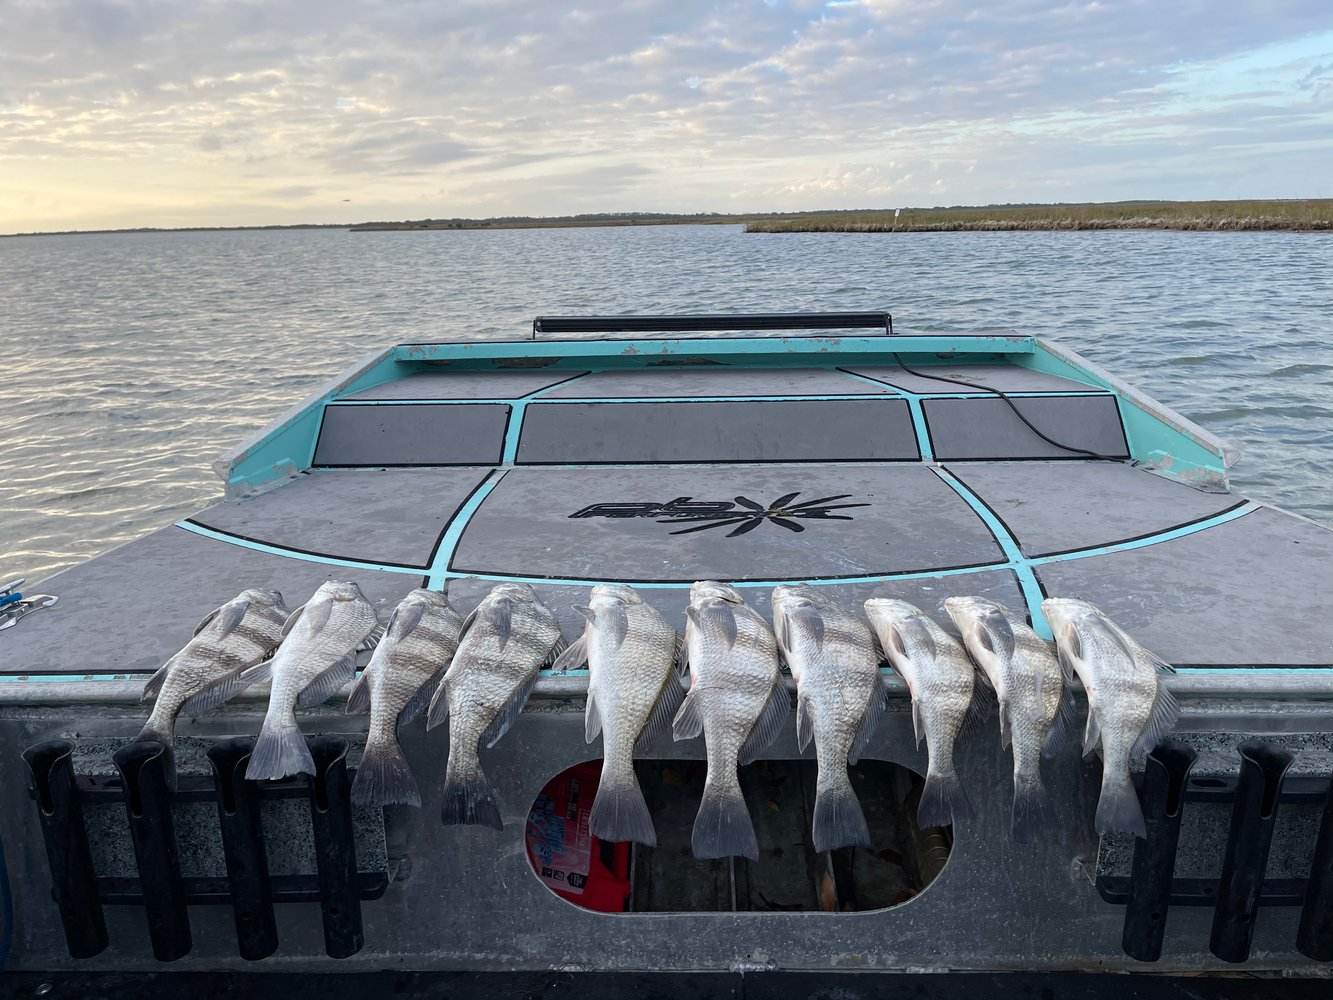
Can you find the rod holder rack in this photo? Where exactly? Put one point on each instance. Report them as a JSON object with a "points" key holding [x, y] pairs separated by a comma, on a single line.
{"points": [[144, 788]]}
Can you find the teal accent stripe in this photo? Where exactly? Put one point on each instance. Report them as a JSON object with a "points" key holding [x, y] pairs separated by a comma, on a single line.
{"points": [[1027, 579], [276, 550], [739, 584], [444, 552], [919, 427], [1185, 529], [519, 410], [711, 399]]}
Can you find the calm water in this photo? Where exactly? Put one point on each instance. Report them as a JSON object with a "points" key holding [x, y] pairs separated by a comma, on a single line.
{"points": [[131, 361]]}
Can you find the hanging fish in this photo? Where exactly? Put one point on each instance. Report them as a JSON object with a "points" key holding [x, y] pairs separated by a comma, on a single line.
{"points": [[940, 679], [418, 645], [839, 701], [634, 691], [316, 658], [503, 646], [737, 701], [1130, 711]]}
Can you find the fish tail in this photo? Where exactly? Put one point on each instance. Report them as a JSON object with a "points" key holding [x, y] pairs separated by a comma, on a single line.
{"points": [[838, 819], [384, 778], [280, 752], [722, 828], [1118, 809], [619, 812], [468, 798], [1032, 804], [153, 731], [943, 801]]}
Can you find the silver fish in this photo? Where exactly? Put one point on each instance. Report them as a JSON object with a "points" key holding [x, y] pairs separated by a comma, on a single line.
{"points": [[503, 646], [737, 701], [633, 694], [398, 682], [1036, 706], [215, 665], [941, 681], [1129, 711], [316, 658], [839, 701]]}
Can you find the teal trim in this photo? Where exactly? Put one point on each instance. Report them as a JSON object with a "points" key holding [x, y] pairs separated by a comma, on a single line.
{"points": [[919, 427], [276, 550], [1027, 579], [1187, 529], [710, 399], [453, 532], [929, 574], [518, 411]]}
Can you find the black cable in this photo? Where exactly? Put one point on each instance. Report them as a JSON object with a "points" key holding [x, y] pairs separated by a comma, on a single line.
{"points": [[1018, 413]]}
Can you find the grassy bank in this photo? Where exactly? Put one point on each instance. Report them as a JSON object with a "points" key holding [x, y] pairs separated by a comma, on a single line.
{"points": [[1186, 215]]}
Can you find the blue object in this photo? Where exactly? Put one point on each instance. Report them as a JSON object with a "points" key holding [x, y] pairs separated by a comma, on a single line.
{"points": [[13, 598]]}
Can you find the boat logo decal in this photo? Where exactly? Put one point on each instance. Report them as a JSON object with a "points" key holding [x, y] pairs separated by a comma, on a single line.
{"points": [[741, 515]]}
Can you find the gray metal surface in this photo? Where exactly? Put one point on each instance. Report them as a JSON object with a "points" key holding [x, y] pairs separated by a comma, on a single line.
{"points": [[462, 385], [716, 381], [963, 429], [1254, 591], [926, 593], [374, 515], [912, 521], [1058, 506], [130, 609], [413, 434], [1005, 377], [827, 430]]}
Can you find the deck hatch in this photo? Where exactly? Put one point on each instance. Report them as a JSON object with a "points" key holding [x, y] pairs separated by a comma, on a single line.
{"points": [[815, 430], [982, 429], [421, 434]]}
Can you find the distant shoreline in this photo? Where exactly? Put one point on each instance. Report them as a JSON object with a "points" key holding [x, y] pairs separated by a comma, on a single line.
{"points": [[1296, 215]]}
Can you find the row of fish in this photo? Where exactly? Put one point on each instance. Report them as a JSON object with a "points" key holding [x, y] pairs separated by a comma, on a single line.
{"points": [[479, 671]]}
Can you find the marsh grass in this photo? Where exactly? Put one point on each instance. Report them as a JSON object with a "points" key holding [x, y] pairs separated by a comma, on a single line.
{"points": [[1316, 214]]}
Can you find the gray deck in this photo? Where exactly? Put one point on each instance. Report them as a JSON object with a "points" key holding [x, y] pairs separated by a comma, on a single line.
{"points": [[1006, 378]]}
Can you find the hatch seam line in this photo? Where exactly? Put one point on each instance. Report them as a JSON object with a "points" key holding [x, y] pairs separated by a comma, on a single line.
{"points": [[453, 533], [278, 550]]}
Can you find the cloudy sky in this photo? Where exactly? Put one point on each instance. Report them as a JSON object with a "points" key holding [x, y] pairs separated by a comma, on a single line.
{"points": [[229, 112]]}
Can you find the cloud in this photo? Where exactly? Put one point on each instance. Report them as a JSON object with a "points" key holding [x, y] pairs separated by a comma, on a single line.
{"points": [[509, 107]]}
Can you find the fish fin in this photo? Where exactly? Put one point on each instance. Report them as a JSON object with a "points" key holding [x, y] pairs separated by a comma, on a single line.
{"points": [[996, 633], [402, 623], [556, 651], [509, 713], [384, 778], [210, 698], [372, 639], [808, 615], [588, 613], [1118, 809], [869, 723], [688, 722], [979, 709], [918, 729], [838, 818], [166, 738], [722, 614], [574, 656], [471, 802], [468, 622], [722, 827], [503, 619], [659, 722], [804, 728], [1066, 717], [768, 725], [912, 632], [259, 673], [1068, 652], [620, 813], [439, 704], [155, 682], [592, 719], [327, 684], [1005, 734], [291, 621], [421, 700], [1091, 733], [943, 801], [228, 616], [358, 699], [1165, 714], [1032, 806], [619, 622], [682, 655], [203, 622], [1158, 662], [280, 752], [1107, 632]]}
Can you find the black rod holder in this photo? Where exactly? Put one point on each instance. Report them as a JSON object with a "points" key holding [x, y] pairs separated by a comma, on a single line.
{"points": [[335, 852], [243, 847], [143, 767], [1314, 937], [1262, 768], [1167, 771], [73, 881]]}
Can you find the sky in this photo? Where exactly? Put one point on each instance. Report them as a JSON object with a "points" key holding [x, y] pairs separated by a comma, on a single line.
{"points": [[124, 113]]}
